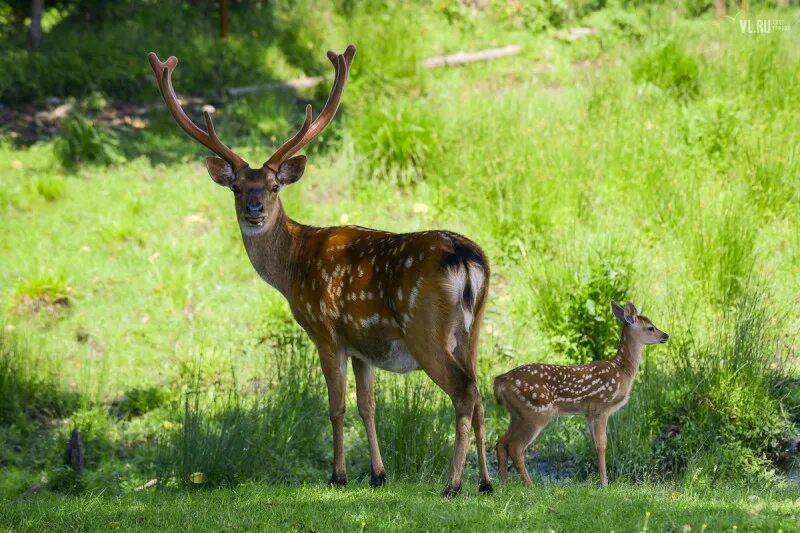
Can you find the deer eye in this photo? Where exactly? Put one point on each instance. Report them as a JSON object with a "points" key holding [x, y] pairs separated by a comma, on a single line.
{"points": [[235, 189], [275, 188], [650, 328]]}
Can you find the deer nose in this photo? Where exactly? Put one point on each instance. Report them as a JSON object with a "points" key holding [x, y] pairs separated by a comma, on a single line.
{"points": [[254, 206], [665, 338]]}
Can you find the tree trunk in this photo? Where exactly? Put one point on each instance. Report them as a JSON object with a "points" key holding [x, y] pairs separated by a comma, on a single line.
{"points": [[719, 6], [35, 30], [223, 18]]}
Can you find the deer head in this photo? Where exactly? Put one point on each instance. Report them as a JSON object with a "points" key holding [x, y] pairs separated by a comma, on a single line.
{"points": [[255, 190], [639, 327]]}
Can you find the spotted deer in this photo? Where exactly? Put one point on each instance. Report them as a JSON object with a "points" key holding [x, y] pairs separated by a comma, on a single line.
{"points": [[398, 302], [536, 393]]}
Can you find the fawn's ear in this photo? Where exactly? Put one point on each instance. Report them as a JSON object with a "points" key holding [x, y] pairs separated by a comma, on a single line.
{"points": [[220, 171], [631, 314], [291, 170], [618, 311]]}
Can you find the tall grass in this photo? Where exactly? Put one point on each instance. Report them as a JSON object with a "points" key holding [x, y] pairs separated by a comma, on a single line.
{"points": [[276, 433], [416, 426]]}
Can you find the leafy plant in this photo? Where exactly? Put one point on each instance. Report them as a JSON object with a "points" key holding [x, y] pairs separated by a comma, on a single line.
{"points": [[575, 310], [83, 142], [668, 66]]}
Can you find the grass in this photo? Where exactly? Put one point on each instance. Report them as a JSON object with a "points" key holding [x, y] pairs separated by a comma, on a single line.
{"points": [[655, 160], [403, 507]]}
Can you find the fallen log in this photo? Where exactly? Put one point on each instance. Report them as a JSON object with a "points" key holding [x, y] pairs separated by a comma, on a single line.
{"points": [[459, 58]]}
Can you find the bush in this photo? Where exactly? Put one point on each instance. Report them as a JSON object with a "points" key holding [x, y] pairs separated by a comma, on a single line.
{"points": [[668, 66], [575, 310], [396, 140], [81, 141]]}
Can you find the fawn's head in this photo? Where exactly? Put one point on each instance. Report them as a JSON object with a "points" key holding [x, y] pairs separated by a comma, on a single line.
{"points": [[638, 326], [255, 190]]}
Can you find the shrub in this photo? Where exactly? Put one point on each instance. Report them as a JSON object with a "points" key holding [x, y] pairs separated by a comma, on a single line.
{"points": [[575, 310], [396, 141], [140, 400], [81, 141], [668, 66]]}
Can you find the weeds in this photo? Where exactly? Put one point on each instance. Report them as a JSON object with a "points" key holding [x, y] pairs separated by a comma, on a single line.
{"points": [[84, 142]]}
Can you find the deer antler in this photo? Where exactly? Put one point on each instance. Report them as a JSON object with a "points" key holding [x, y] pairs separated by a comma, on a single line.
{"points": [[163, 72], [341, 65]]}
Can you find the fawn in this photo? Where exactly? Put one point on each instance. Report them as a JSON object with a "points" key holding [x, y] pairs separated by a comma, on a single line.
{"points": [[535, 393]]}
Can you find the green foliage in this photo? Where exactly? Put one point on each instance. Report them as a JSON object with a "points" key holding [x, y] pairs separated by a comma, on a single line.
{"points": [[396, 142], [226, 437], [81, 141], [45, 291], [667, 65], [29, 387], [588, 170], [575, 308], [415, 423], [728, 413], [140, 400]]}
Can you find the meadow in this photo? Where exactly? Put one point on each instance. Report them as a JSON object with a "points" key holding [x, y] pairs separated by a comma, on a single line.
{"points": [[655, 160]]}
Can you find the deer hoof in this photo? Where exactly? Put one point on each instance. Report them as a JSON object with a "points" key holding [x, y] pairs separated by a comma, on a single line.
{"points": [[337, 480], [486, 487], [450, 491], [377, 480]]}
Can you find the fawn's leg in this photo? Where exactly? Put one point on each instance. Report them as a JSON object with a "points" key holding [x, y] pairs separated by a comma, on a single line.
{"points": [[598, 424], [526, 431], [502, 453]]}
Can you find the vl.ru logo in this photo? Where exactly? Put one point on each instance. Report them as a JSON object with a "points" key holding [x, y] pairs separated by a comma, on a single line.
{"points": [[759, 26]]}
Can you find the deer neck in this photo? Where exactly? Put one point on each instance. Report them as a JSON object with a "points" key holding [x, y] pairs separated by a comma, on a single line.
{"points": [[272, 250], [629, 353]]}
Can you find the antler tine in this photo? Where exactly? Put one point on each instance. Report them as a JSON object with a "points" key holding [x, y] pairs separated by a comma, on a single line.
{"points": [[341, 65], [163, 73], [279, 156]]}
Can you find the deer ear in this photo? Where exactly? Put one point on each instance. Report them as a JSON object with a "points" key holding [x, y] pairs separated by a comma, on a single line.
{"points": [[220, 171], [631, 314], [618, 311], [291, 170]]}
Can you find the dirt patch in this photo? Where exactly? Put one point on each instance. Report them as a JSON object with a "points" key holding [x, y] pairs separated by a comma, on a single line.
{"points": [[46, 303]]}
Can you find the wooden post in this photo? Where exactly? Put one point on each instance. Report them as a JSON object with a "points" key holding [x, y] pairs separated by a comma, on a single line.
{"points": [[73, 453], [223, 18]]}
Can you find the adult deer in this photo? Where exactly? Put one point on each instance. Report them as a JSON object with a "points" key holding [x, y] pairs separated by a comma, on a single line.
{"points": [[535, 393], [398, 302]]}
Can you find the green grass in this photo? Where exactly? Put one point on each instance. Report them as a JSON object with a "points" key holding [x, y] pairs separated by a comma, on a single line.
{"points": [[416, 507], [655, 160]]}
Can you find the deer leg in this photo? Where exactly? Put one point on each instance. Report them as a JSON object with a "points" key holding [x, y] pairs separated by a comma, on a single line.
{"points": [[599, 425], [517, 445], [462, 390], [480, 443], [334, 367], [502, 453], [365, 378], [523, 435], [464, 404]]}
